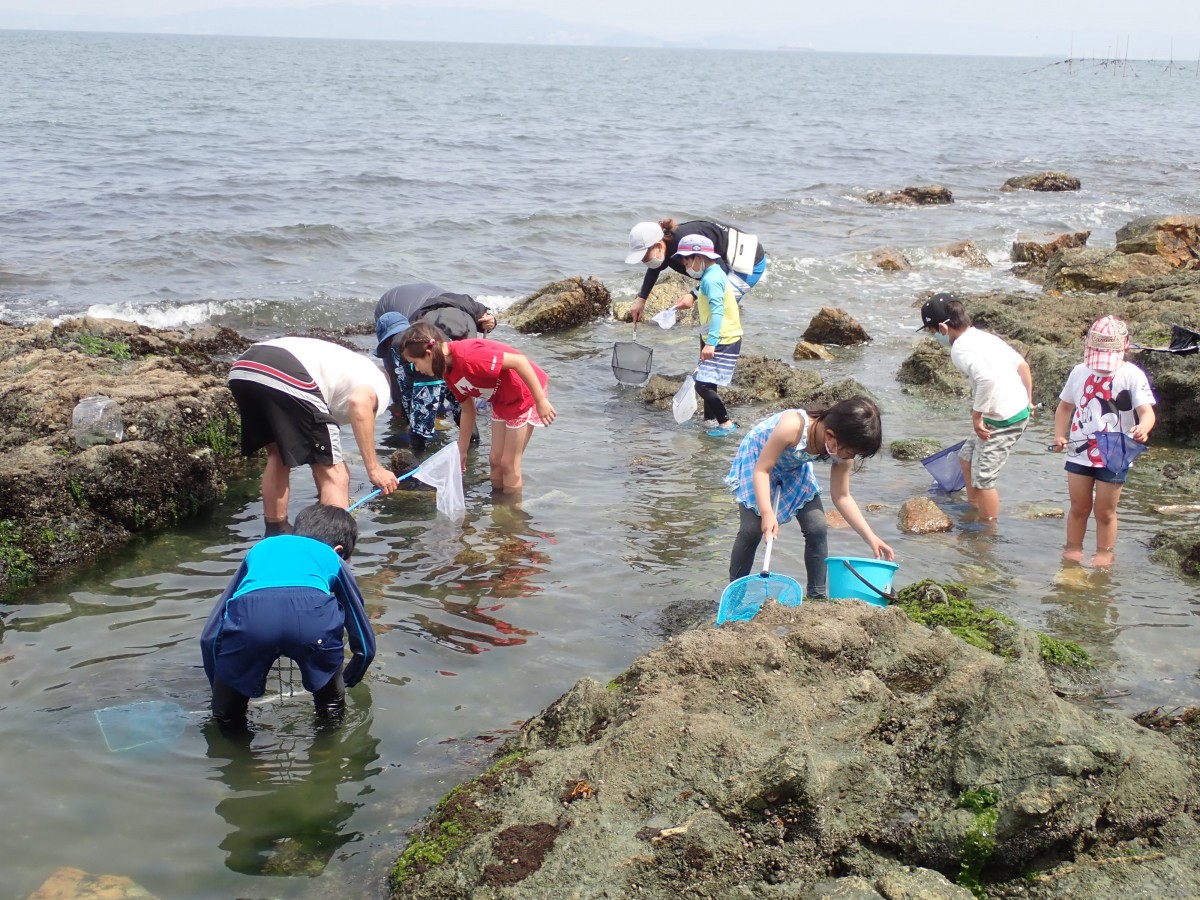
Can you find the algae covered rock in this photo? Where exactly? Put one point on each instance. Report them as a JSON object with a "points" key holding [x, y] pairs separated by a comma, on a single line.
{"points": [[559, 306], [921, 195], [912, 449], [758, 758], [929, 369], [1041, 181], [1087, 269], [60, 505]]}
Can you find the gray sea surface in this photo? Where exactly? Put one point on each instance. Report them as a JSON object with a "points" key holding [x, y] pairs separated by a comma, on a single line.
{"points": [[274, 185]]}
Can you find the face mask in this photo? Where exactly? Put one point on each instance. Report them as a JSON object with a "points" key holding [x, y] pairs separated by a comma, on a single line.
{"points": [[695, 273], [943, 339], [656, 262]]}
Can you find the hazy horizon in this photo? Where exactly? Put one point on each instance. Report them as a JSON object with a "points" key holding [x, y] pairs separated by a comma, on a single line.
{"points": [[1103, 29]]}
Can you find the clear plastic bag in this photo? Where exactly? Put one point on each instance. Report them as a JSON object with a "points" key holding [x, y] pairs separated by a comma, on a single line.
{"points": [[97, 420]]}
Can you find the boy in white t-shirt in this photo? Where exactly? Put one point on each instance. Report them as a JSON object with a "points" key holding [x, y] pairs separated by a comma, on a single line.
{"points": [[1102, 394], [1001, 396]]}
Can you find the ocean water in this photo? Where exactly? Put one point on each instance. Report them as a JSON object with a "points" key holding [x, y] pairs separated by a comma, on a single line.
{"points": [[273, 185]]}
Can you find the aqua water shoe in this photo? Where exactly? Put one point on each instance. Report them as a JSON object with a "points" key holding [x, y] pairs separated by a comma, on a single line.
{"points": [[723, 430]]}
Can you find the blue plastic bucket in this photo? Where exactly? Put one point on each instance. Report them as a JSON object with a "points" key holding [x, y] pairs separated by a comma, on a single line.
{"points": [[844, 585]]}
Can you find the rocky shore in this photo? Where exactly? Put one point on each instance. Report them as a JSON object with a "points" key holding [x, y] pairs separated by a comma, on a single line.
{"points": [[830, 750], [61, 505]]}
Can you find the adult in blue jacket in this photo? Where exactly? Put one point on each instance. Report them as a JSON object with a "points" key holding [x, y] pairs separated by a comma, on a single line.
{"points": [[292, 596]]}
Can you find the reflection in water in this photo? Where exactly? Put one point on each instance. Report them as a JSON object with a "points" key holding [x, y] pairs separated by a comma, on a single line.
{"points": [[1081, 608], [284, 809], [450, 582]]}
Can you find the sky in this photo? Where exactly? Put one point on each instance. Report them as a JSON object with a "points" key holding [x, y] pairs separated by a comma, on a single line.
{"points": [[1012, 27]]}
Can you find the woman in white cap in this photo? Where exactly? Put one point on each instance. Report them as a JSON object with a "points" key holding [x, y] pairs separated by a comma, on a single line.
{"points": [[654, 244]]}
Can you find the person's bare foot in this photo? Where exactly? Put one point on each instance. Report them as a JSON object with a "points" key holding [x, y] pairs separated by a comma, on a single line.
{"points": [[1073, 554], [1103, 559]]}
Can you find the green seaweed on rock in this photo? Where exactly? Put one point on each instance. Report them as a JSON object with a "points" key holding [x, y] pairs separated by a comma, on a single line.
{"points": [[980, 841], [456, 819], [931, 604]]}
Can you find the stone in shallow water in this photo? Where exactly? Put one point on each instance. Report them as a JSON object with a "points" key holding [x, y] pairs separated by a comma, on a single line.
{"points": [[920, 515], [75, 884]]}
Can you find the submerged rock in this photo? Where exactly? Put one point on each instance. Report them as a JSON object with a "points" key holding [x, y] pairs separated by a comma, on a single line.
{"points": [[75, 884], [835, 326], [924, 195], [558, 306], [969, 252], [889, 259], [920, 515], [832, 749], [912, 449], [1042, 181], [809, 350]]}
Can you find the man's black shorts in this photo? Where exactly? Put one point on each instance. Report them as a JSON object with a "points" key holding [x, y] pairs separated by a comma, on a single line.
{"points": [[281, 404]]}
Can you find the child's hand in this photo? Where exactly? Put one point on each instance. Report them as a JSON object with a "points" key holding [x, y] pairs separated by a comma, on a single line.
{"points": [[462, 455], [708, 351], [882, 550], [685, 301], [770, 526], [1058, 443], [1140, 433], [546, 412]]}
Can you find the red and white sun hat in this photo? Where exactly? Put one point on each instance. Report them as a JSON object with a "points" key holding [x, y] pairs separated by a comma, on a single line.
{"points": [[1105, 345]]}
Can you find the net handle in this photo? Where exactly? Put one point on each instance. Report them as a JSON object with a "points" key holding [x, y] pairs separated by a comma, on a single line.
{"points": [[886, 595], [771, 540]]}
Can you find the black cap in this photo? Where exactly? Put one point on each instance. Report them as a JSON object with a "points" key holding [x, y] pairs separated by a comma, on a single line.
{"points": [[934, 310]]}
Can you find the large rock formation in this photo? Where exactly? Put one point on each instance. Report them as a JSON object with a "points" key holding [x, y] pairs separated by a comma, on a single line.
{"points": [[829, 750], [61, 505], [559, 306], [1174, 238]]}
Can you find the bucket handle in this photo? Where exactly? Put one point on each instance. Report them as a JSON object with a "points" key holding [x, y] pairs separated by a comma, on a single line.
{"points": [[886, 595]]}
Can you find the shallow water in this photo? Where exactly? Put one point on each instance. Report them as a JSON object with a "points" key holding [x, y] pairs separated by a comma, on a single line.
{"points": [[343, 185]]}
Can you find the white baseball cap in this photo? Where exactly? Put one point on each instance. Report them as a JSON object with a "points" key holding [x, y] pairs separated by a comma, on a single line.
{"points": [[642, 237]]}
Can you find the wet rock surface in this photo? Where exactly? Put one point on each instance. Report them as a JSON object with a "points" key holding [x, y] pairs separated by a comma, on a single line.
{"points": [[835, 326], [920, 515], [666, 292], [760, 380], [809, 350], [558, 306], [61, 505], [922, 195], [76, 884], [889, 259], [970, 253], [1042, 181], [829, 750]]}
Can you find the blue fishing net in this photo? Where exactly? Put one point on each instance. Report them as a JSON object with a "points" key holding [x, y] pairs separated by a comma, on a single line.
{"points": [[745, 596], [1118, 450], [946, 470]]}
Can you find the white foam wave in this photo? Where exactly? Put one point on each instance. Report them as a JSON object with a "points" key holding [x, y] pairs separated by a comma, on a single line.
{"points": [[497, 301], [161, 315]]}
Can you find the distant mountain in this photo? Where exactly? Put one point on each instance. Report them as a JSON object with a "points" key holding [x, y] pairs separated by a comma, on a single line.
{"points": [[347, 21]]}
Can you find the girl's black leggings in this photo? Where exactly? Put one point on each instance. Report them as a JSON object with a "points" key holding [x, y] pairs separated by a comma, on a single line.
{"points": [[713, 407], [811, 517]]}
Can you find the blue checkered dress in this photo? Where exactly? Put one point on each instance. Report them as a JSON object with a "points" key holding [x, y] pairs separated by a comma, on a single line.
{"points": [[792, 475]]}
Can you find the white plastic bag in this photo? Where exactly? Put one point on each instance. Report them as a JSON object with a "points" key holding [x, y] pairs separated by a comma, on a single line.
{"points": [[683, 404], [665, 319]]}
